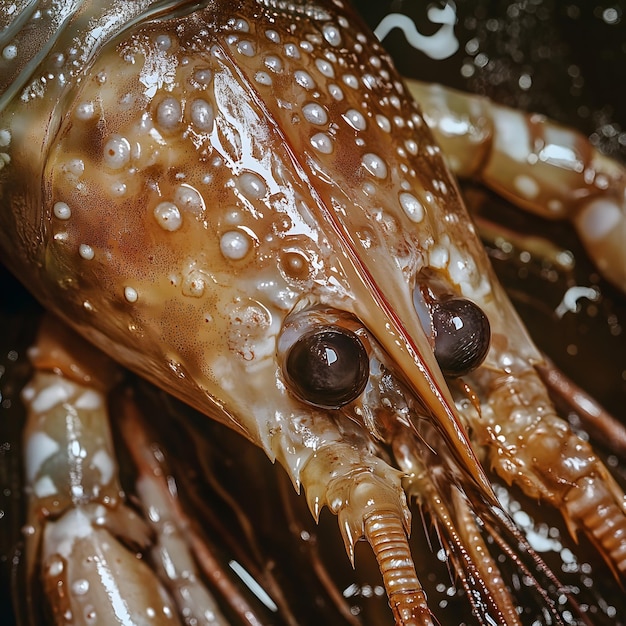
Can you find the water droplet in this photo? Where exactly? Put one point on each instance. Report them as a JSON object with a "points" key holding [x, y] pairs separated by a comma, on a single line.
{"points": [[383, 123], [246, 48], [130, 294], [374, 165], [62, 211], [412, 207], [325, 68], [336, 92], [304, 79], [272, 35], [355, 119], [322, 143], [251, 185], [84, 111], [315, 114], [80, 587], [116, 152], [332, 34], [202, 114], [168, 216], [85, 251], [169, 113], [234, 245]]}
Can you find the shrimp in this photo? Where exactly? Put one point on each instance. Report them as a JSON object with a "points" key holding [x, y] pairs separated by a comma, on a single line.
{"points": [[245, 206]]}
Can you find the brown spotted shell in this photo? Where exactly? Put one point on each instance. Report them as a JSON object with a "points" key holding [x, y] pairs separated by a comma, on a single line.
{"points": [[204, 173]]}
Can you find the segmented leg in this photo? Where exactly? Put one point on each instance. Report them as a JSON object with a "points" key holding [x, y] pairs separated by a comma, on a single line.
{"points": [[537, 164], [533, 448], [81, 526], [178, 552]]}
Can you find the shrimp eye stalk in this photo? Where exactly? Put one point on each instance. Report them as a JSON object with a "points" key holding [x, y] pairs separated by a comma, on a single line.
{"points": [[462, 336], [327, 367]]}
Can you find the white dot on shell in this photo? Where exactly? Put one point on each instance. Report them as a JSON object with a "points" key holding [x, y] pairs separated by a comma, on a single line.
{"points": [[304, 79], [439, 257], [9, 52], [374, 165], [325, 68], [411, 146], [272, 35], [80, 587], [118, 188], [315, 113], [291, 50], [84, 111], [194, 284], [336, 92], [202, 114], [351, 81], [189, 199], [555, 205], [355, 119], [332, 34], [274, 63], [74, 168], [369, 81], [86, 252], [203, 76], [263, 78], [168, 216], [234, 245], [322, 143], [163, 42], [169, 113], [251, 185], [599, 218], [246, 48], [130, 294], [62, 211], [412, 207], [116, 152], [526, 186], [383, 123]]}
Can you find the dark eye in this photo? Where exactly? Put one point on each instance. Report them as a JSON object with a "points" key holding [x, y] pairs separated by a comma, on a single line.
{"points": [[462, 336], [327, 367]]}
